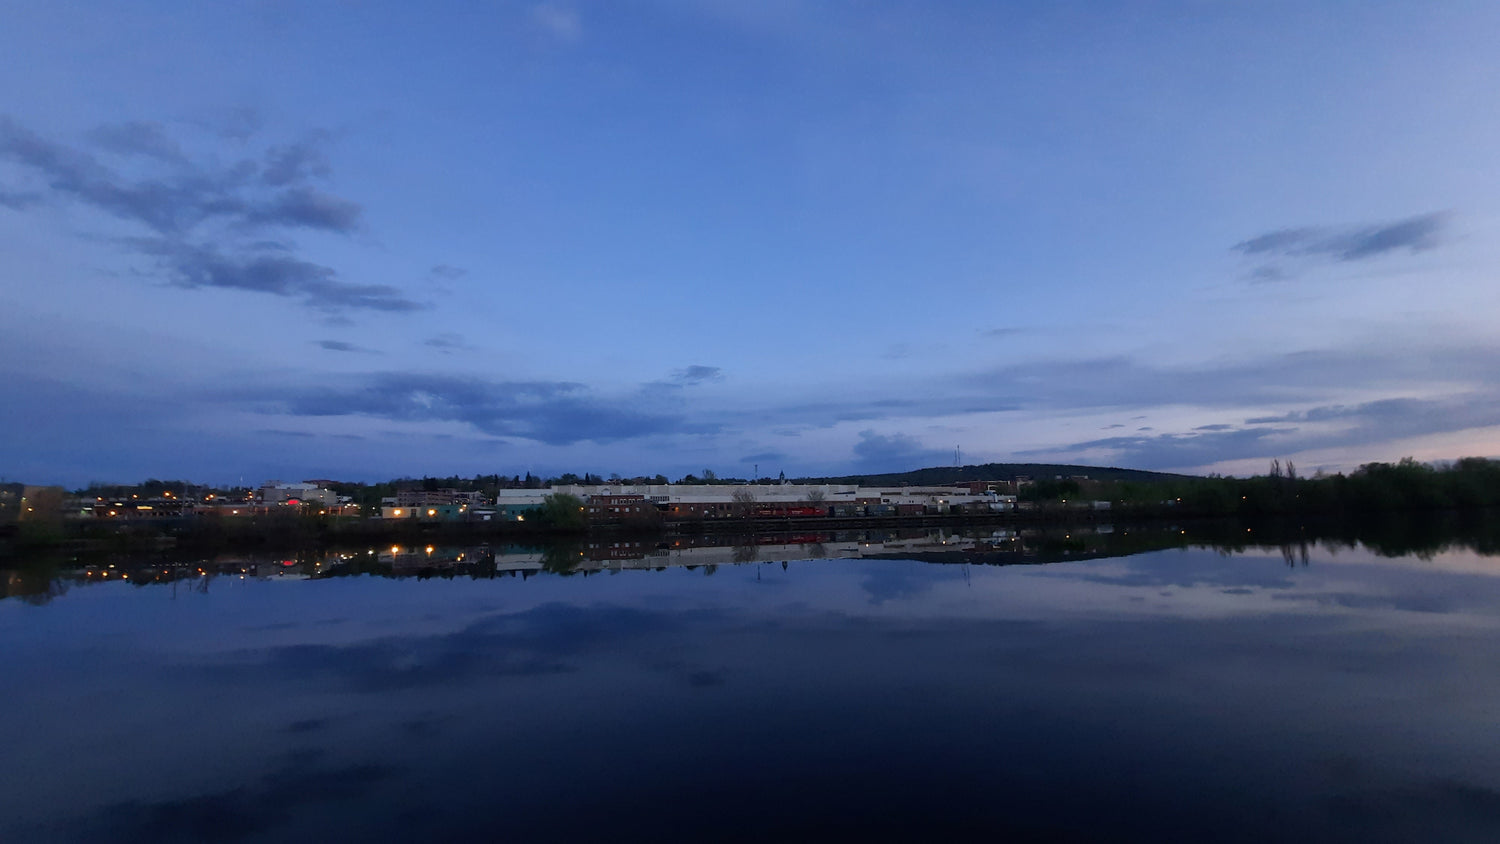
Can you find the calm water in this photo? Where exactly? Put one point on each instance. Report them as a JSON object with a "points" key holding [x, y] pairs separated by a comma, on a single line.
{"points": [[1189, 693]]}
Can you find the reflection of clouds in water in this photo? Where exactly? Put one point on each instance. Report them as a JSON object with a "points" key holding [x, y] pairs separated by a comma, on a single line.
{"points": [[897, 581], [535, 642], [1427, 603], [1204, 583], [897, 690], [1189, 569], [248, 811]]}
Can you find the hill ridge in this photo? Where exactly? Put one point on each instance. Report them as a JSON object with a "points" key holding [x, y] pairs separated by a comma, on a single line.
{"points": [[938, 475]]}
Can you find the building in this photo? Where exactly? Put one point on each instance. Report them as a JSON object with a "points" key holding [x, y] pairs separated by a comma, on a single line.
{"points": [[276, 492]]}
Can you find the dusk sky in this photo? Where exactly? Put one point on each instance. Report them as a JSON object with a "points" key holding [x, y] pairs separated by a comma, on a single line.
{"points": [[244, 241]]}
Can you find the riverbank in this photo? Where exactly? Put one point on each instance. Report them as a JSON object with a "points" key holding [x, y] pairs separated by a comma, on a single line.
{"points": [[1401, 531]]}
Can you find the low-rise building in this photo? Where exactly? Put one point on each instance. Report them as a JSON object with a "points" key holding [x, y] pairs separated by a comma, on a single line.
{"points": [[276, 492]]}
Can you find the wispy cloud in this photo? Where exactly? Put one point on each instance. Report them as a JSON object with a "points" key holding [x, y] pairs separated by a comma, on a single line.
{"points": [[552, 412], [1293, 378], [295, 164], [1330, 426], [1348, 243], [344, 346], [215, 226], [20, 200], [140, 137], [448, 342], [269, 271], [447, 273], [187, 196], [697, 374]]}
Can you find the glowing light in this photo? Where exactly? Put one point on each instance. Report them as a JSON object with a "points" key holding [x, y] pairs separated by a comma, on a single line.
{"points": [[429, 549], [398, 511], [395, 549], [432, 512]]}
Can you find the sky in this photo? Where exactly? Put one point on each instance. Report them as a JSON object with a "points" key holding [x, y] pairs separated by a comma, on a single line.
{"points": [[363, 240]]}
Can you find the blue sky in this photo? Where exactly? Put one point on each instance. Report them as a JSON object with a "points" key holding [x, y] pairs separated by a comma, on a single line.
{"points": [[364, 240]]}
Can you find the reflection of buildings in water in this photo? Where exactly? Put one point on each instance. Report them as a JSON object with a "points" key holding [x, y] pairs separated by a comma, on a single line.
{"points": [[629, 555], [412, 558], [996, 546], [990, 546]]}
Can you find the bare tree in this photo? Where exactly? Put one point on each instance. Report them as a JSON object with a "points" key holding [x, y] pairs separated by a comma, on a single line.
{"points": [[744, 502]]}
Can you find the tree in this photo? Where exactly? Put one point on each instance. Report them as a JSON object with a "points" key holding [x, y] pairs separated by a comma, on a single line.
{"points": [[563, 512], [709, 476], [744, 502]]}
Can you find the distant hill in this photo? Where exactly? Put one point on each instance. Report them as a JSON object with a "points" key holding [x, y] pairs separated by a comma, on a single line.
{"points": [[939, 475]]}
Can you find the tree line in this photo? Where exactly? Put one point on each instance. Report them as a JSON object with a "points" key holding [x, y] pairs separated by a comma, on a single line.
{"points": [[1407, 485]]}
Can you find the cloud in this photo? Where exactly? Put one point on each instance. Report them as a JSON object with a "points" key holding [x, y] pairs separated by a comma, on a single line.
{"points": [[19, 200], [1400, 417], [1287, 379], [138, 137], [174, 205], [307, 208], [1001, 332], [448, 342], [295, 163], [552, 412], [342, 346], [1414, 234], [1327, 426], [682, 378], [764, 457], [886, 452], [699, 374], [211, 226], [557, 21], [447, 273], [1163, 451], [270, 272], [1268, 274]]}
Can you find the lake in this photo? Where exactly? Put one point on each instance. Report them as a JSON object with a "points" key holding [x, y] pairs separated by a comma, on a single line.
{"points": [[984, 684]]}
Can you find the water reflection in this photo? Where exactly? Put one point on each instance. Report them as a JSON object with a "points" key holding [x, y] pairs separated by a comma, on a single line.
{"points": [[39, 579], [1059, 684]]}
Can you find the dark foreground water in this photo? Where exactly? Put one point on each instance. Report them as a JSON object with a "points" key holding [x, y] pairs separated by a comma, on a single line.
{"points": [[1171, 695]]}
